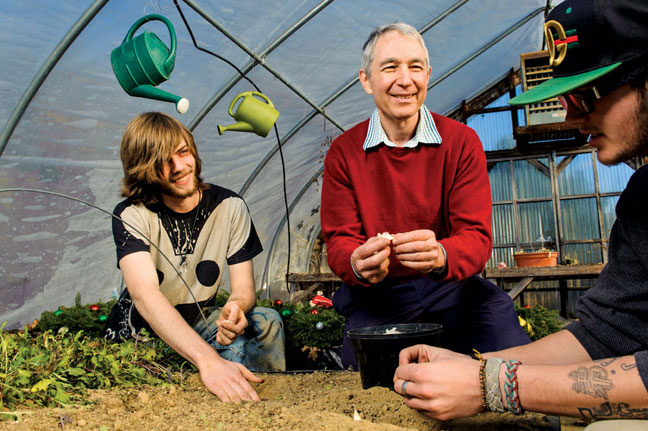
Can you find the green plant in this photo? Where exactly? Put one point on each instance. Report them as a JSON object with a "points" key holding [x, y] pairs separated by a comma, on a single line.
{"points": [[55, 362], [50, 369], [77, 318], [300, 324], [542, 321], [302, 328]]}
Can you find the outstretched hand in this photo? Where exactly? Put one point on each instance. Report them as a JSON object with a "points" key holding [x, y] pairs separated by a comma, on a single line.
{"points": [[229, 381], [440, 383]]}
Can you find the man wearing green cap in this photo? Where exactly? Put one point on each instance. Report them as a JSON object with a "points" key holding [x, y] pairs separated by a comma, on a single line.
{"points": [[597, 367]]}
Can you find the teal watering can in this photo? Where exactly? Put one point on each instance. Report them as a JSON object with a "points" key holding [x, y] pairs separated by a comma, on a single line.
{"points": [[252, 114], [143, 62]]}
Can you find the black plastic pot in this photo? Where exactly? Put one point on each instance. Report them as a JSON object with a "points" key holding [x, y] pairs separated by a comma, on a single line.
{"points": [[377, 351]]}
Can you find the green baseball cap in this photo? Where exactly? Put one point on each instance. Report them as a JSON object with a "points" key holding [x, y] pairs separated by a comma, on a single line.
{"points": [[587, 39]]}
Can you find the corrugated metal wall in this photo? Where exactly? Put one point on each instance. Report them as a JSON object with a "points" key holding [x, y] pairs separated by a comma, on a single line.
{"points": [[576, 218]]}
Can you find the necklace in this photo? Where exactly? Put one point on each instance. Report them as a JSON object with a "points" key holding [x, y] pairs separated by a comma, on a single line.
{"points": [[178, 231]]}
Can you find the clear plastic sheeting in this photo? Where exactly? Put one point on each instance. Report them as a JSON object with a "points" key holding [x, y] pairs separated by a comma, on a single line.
{"points": [[63, 114]]}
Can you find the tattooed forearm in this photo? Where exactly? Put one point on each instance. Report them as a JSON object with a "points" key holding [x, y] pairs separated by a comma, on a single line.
{"points": [[626, 367], [592, 381], [613, 410], [605, 362]]}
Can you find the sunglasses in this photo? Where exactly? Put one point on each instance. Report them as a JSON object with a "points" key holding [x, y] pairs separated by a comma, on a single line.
{"points": [[582, 100]]}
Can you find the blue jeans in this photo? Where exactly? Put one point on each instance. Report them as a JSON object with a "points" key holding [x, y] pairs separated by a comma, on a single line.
{"points": [[260, 348], [474, 312]]}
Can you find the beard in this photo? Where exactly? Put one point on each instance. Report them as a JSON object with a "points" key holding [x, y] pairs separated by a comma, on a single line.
{"points": [[642, 122], [169, 189], [637, 144]]}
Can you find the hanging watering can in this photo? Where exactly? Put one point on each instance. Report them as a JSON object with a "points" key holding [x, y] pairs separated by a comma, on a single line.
{"points": [[143, 62], [252, 114]]}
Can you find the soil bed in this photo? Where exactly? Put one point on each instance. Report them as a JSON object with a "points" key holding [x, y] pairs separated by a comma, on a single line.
{"points": [[320, 401]]}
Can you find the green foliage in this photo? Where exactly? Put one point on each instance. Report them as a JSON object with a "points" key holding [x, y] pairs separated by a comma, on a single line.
{"points": [[542, 320], [301, 328], [77, 318], [300, 325], [64, 354], [50, 369], [221, 298]]}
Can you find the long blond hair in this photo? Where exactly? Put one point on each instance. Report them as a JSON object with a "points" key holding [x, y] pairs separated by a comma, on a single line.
{"points": [[148, 143]]}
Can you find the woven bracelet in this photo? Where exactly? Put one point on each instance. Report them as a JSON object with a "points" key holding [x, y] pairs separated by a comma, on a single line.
{"points": [[477, 355], [511, 387], [493, 392], [482, 382]]}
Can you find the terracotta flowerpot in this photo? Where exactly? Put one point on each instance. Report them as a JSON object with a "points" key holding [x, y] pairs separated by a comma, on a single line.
{"points": [[540, 258]]}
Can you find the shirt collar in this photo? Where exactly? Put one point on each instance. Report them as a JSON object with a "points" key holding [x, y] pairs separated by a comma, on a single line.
{"points": [[426, 132]]}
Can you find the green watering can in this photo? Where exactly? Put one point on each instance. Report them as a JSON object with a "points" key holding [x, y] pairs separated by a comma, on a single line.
{"points": [[143, 62], [252, 114]]}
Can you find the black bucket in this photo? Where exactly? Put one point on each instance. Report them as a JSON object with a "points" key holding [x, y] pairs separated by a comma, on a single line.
{"points": [[377, 348]]}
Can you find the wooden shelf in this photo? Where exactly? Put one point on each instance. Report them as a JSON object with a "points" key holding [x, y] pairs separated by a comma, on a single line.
{"points": [[525, 276], [295, 277], [561, 272]]}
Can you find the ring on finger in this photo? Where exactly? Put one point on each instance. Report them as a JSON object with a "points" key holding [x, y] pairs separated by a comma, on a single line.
{"points": [[404, 389]]}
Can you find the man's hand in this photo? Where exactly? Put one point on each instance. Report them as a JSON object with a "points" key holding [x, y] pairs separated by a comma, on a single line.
{"points": [[443, 384], [229, 380], [419, 250], [422, 353], [231, 323], [371, 259]]}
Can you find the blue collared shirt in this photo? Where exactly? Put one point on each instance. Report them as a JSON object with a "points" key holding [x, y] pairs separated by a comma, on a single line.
{"points": [[426, 132]]}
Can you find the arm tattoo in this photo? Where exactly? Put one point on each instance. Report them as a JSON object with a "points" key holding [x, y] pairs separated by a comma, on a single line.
{"points": [[605, 362], [609, 410], [592, 381], [627, 367]]}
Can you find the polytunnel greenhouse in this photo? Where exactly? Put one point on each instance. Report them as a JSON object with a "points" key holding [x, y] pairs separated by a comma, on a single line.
{"points": [[64, 113]]}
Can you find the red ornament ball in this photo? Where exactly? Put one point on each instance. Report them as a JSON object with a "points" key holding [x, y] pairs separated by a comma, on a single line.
{"points": [[94, 307], [278, 302], [314, 311]]}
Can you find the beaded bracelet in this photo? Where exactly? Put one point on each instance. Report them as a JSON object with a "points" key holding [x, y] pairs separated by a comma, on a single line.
{"points": [[511, 387], [482, 382]]}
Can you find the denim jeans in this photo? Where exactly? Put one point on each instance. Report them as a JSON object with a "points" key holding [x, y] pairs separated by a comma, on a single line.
{"points": [[260, 348]]}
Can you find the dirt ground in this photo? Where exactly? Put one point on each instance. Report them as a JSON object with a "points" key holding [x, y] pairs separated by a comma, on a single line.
{"points": [[317, 401]]}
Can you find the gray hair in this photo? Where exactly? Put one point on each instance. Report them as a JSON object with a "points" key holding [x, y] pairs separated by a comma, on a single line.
{"points": [[370, 44]]}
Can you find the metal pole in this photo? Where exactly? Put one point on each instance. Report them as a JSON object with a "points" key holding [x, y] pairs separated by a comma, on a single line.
{"points": [[263, 54], [258, 59], [45, 70], [486, 47]]}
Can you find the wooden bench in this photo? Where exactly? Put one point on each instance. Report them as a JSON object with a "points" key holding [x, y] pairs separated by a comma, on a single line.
{"points": [[562, 273], [305, 284]]}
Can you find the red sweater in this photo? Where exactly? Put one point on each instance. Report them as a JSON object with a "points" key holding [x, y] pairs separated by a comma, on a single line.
{"points": [[442, 187]]}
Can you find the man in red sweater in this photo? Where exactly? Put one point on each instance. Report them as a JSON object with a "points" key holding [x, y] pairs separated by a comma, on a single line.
{"points": [[421, 178]]}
